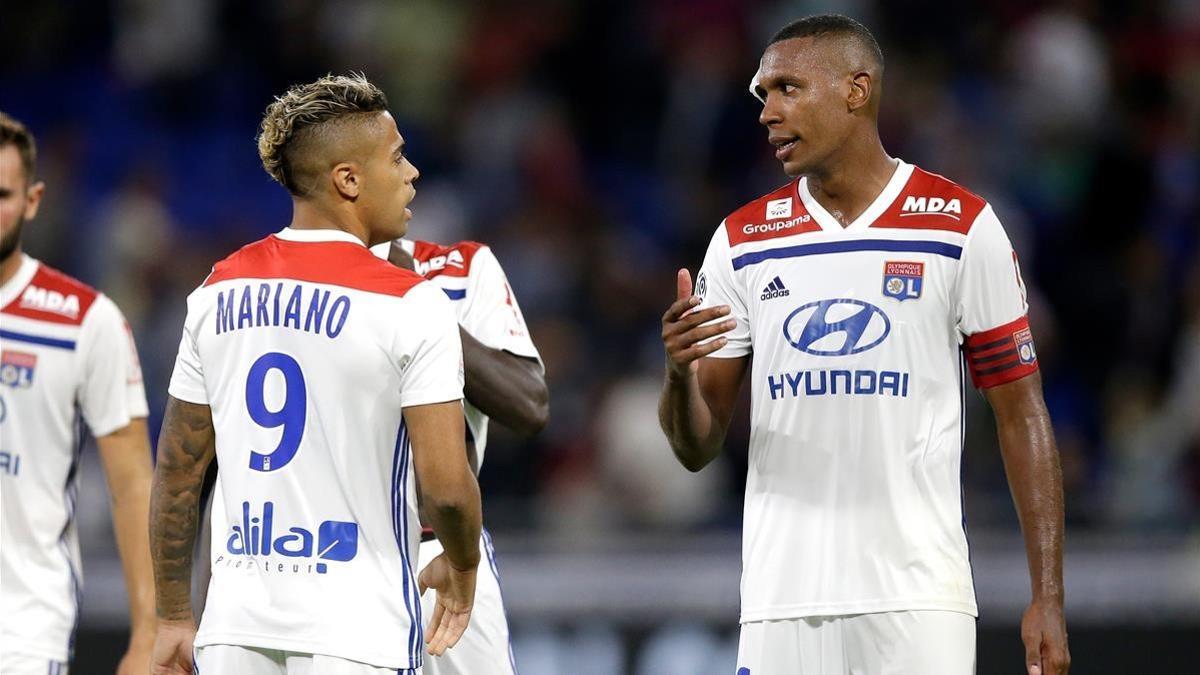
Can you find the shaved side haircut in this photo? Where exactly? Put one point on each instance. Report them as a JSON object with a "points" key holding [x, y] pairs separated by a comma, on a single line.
{"points": [[832, 25], [302, 127]]}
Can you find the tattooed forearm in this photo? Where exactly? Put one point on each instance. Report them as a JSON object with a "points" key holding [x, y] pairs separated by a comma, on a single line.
{"points": [[185, 448]]}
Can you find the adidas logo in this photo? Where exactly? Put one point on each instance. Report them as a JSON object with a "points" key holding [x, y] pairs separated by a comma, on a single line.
{"points": [[774, 289]]}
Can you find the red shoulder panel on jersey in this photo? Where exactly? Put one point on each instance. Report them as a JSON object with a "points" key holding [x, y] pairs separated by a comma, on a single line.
{"points": [[1002, 354], [931, 202], [434, 260], [778, 214], [337, 263], [53, 297]]}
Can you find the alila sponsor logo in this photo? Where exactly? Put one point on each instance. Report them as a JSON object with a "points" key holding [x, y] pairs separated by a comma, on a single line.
{"points": [[254, 543], [46, 300], [778, 226], [439, 262], [931, 206], [775, 289]]}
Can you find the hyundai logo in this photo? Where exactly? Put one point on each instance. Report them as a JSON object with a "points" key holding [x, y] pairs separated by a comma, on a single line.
{"points": [[836, 327]]}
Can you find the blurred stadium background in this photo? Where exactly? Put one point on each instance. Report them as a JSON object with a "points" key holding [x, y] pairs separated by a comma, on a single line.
{"points": [[595, 146]]}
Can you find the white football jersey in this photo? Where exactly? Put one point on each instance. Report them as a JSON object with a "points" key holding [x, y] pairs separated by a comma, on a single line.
{"points": [[67, 353], [307, 348], [857, 336], [471, 276]]}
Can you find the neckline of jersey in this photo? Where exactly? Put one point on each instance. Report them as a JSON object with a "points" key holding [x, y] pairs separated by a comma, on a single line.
{"points": [[317, 236], [868, 217], [18, 282]]}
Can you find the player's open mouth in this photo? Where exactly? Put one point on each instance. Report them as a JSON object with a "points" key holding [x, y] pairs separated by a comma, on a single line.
{"points": [[783, 145]]}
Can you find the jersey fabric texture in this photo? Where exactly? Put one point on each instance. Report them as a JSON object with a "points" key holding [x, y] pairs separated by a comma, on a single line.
{"points": [[472, 278], [887, 643], [232, 659], [66, 356], [307, 348], [857, 336]]}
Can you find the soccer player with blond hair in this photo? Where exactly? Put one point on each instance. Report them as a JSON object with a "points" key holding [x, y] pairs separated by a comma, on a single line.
{"points": [[328, 384]]}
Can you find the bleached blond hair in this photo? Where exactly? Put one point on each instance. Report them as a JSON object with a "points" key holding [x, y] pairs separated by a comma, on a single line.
{"points": [[305, 114]]}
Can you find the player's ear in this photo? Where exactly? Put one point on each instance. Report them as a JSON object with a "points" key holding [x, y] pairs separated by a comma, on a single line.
{"points": [[860, 90], [33, 199], [346, 180]]}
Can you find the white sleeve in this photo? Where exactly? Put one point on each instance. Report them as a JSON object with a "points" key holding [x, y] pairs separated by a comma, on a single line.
{"points": [[991, 292], [716, 285], [111, 393], [991, 307], [187, 379], [429, 349], [492, 314]]}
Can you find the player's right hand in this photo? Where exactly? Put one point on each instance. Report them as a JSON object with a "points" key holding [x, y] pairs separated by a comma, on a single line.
{"points": [[455, 597], [172, 653], [683, 329]]}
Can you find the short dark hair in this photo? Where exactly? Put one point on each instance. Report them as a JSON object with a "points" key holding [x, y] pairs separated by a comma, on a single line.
{"points": [[13, 133], [821, 25]]}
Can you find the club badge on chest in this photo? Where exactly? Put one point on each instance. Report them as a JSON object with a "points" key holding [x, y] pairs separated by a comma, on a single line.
{"points": [[903, 280]]}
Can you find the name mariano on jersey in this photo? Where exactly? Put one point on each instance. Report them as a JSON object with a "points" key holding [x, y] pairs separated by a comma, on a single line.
{"points": [[857, 336], [315, 527]]}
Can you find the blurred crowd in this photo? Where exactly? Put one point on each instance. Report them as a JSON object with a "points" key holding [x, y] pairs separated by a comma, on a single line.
{"points": [[597, 145]]}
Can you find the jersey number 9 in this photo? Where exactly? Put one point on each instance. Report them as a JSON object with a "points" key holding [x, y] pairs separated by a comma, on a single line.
{"points": [[291, 416]]}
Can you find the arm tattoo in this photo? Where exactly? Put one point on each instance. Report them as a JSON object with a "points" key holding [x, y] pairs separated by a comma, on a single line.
{"points": [[185, 448]]}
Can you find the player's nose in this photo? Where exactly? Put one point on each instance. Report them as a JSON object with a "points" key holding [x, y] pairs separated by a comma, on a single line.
{"points": [[770, 112]]}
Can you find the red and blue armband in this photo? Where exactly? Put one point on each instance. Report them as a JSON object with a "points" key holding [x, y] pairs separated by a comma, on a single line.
{"points": [[1002, 354]]}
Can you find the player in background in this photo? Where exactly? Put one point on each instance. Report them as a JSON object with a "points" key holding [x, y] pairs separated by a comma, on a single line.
{"points": [[67, 353], [856, 290], [505, 382], [329, 385]]}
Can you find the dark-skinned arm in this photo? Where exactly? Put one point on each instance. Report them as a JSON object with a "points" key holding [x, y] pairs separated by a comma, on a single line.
{"points": [[508, 388], [186, 445], [1035, 479], [699, 393]]}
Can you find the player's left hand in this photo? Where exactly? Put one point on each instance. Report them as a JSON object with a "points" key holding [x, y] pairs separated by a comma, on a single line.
{"points": [[1044, 632], [455, 597], [137, 658], [173, 648]]}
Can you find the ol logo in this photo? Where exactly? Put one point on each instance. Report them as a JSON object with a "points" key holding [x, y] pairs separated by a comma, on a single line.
{"points": [[17, 369], [903, 280], [837, 327]]}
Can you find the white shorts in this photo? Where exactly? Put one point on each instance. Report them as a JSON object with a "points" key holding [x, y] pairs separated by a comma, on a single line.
{"points": [[887, 643], [484, 649], [22, 664], [237, 660]]}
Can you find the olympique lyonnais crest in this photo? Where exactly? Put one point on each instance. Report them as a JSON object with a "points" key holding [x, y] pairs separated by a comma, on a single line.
{"points": [[1025, 350], [16, 369], [903, 280]]}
